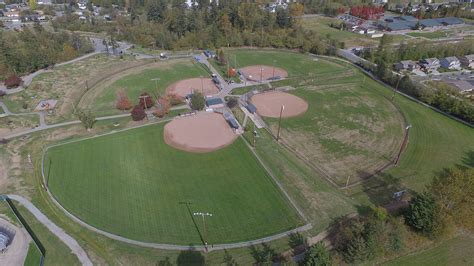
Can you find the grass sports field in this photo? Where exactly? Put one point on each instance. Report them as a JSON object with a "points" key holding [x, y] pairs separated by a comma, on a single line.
{"points": [[132, 184], [153, 79], [349, 128]]}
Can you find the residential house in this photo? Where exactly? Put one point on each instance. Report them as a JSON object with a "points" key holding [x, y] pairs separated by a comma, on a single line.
{"points": [[450, 62], [430, 64], [407, 65], [467, 61]]}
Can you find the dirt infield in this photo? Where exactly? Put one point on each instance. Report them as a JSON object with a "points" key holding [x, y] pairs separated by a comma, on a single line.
{"points": [[187, 86], [269, 104], [203, 132], [262, 72]]}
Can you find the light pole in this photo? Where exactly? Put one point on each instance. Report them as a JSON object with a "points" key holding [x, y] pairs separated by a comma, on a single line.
{"points": [[405, 140], [156, 83], [279, 122], [274, 62], [202, 86], [203, 214], [261, 74]]}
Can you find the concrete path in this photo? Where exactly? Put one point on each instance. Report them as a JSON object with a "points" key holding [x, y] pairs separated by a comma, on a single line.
{"points": [[16, 252], [63, 236]]}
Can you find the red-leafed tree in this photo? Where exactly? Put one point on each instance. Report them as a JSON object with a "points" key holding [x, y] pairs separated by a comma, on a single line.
{"points": [[123, 102], [162, 107], [13, 81], [341, 10], [175, 99], [145, 98], [367, 12], [138, 113]]}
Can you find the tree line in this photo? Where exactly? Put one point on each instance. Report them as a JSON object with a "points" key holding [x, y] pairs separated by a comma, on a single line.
{"points": [[33, 48], [170, 25]]}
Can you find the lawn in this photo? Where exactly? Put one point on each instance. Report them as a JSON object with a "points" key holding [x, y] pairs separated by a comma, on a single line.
{"points": [[322, 26], [134, 185], [33, 257], [349, 128], [430, 35], [456, 251], [153, 80]]}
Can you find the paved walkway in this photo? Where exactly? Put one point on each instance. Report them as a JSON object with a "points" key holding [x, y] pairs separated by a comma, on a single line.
{"points": [[63, 236]]}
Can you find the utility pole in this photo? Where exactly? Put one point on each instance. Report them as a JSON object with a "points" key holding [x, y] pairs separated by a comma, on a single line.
{"points": [[144, 101], [274, 62], [202, 214], [405, 140], [279, 122], [202, 86]]}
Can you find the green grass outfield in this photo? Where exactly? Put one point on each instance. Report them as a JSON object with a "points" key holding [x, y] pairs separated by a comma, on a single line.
{"points": [[137, 83], [436, 141], [132, 184]]}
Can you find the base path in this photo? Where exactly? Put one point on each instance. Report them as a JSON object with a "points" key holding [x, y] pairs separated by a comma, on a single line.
{"points": [[15, 254], [56, 230], [262, 72], [269, 104], [203, 132], [187, 86]]}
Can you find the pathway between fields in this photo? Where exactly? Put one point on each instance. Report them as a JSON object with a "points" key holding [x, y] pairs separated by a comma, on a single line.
{"points": [[63, 236]]}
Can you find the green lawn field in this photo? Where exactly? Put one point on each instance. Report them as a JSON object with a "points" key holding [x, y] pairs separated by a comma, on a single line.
{"points": [[456, 251], [430, 35], [136, 83], [134, 185]]}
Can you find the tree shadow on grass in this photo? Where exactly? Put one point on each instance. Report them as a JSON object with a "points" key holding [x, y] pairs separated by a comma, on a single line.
{"points": [[468, 160], [190, 257], [381, 187]]}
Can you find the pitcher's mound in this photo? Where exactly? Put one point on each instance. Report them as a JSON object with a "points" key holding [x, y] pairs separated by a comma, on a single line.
{"points": [[269, 104], [261, 72], [203, 132], [186, 86]]}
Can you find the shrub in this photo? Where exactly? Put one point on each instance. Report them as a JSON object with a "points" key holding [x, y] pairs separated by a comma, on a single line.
{"points": [[232, 102], [197, 101], [138, 113], [123, 102], [162, 107], [174, 99], [13, 81], [145, 98]]}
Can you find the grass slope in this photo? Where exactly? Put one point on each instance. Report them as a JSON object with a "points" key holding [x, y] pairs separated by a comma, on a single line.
{"points": [[456, 251], [33, 257], [131, 184]]}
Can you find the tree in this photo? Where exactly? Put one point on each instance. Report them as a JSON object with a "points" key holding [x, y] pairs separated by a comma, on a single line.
{"points": [[454, 195], [221, 57], [318, 255], [87, 119], [421, 213], [156, 11], [162, 107], [32, 4], [232, 102], [123, 102], [138, 113], [12, 81], [145, 100], [197, 101]]}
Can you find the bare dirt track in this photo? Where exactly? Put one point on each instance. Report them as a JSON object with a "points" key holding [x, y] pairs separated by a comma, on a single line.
{"points": [[187, 86], [262, 72], [200, 133], [269, 104]]}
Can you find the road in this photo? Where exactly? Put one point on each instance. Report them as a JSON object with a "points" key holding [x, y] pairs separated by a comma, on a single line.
{"points": [[56, 230]]}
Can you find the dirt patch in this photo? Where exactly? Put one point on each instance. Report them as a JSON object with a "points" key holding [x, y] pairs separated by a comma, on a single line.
{"points": [[262, 72], [17, 250], [187, 86], [200, 133], [269, 104]]}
